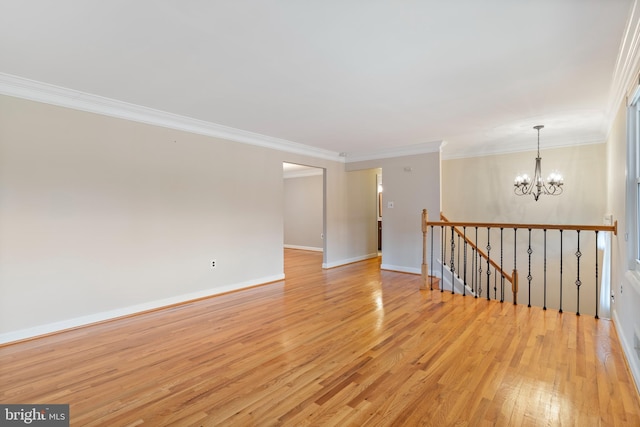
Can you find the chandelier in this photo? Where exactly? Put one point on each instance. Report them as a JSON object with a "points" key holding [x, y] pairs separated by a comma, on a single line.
{"points": [[524, 185]]}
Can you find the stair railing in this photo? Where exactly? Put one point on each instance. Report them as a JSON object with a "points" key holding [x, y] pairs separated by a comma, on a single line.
{"points": [[504, 276], [479, 259]]}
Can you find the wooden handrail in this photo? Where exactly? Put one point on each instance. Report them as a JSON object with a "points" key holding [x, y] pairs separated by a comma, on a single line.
{"points": [[515, 226], [613, 228], [480, 251]]}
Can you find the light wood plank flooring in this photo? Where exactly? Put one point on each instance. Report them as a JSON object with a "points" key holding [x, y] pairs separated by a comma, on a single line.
{"points": [[350, 346]]}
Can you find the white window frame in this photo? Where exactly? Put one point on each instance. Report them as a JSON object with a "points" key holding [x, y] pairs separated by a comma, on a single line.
{"points": [[633, 183]]}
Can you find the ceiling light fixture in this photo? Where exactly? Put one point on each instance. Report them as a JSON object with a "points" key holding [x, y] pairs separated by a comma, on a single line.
{"points": [[537, 186]]}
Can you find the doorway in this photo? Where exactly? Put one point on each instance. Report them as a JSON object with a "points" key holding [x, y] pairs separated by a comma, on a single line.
{"points": [[303, 211]]}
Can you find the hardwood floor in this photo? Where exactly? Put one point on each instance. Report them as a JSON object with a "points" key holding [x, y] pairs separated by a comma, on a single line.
{"points": [[350, 346]]}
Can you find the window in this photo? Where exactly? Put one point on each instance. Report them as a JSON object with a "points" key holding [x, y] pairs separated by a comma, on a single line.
{"points": [[632, 153], [633, 180]]}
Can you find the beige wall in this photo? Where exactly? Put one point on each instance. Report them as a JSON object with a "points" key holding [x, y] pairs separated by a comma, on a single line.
{"points": [[362, 215], [101, 217], [412, 183], [481, 189], [341, 234], [303, 212]]}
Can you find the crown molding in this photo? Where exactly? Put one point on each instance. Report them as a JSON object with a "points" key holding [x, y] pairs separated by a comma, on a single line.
{"points": [[303, 173], [511, 149], [625, 75], [20, 87], [409, 150]]}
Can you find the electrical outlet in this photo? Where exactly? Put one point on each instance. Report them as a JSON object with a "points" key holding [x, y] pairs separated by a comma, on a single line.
{"points": [[214, 263]]}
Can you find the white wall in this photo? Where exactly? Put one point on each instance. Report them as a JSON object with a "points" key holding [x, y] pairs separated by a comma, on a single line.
{"points": [[303, 212], [412, 183], [101, 217]]}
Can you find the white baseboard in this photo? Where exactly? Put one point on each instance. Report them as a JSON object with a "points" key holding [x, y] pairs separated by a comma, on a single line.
{"points": [[629, 352], [401, 268], [35, 331], [304, 248], [348, 260]]}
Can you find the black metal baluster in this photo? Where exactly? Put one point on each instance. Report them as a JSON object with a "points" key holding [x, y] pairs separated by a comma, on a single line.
{"points": [[458, 270], [443, 239], [597, 283], [578, 282], [443, 244], [431, 276], [545, 270], [488, 263], [501, 267], [560, 311], [495, 283], [464, 281], [453, 261], [479, 283], [529, 277], [515, 263], [473, 271]]}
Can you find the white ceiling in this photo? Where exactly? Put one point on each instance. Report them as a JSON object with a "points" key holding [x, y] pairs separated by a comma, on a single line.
{"points": [[347, 76]]}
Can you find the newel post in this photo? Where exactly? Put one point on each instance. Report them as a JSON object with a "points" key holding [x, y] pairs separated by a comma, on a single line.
{"points": [[425, 267]]}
